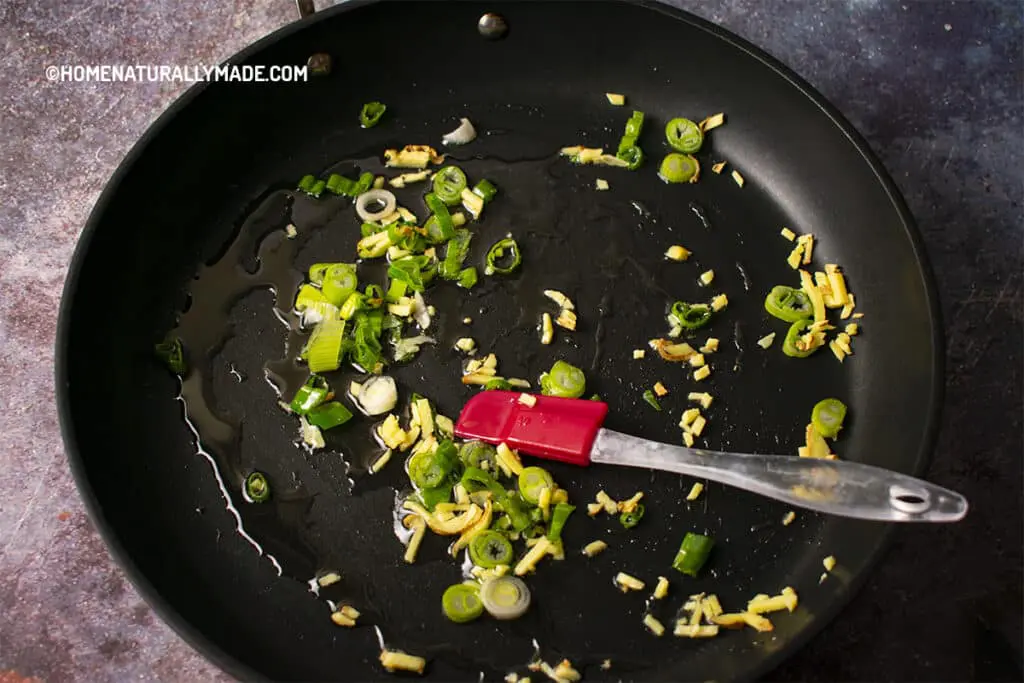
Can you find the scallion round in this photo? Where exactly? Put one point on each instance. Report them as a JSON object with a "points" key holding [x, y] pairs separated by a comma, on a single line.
{"points": [[338, 281], [257, 488], [532, 481], [678, 168], [503, 257], [461, 603], [477, 454], [505, 598]]}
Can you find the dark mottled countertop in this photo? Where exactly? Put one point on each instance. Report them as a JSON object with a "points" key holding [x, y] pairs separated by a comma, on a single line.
{"points": [[935, 86]]}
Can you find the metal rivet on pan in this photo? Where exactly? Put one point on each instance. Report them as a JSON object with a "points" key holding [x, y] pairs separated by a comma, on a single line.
{"points": [[319, 64], [492, 26], [910, 501]]}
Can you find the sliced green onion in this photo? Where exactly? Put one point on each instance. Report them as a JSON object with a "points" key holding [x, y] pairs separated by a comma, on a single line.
{"points": [[367, 351], [693, 553], [364, 184], [374, 245], [652, 400], [373, 296], [486, 190], [506, 597], [371, 114], [257, 488], [563, 380], [468, 278], [788, 303], [477, 454], [461, 603], [323, 352], [414, 271], [631, 519], [329, 415], [317, 272], [368, 229], [310, 395], [498, 261], [684, 135], [797, 330], [428, 469], [489, 549], [689, 316], [678, 168], [172, 354], [318, 188], [338, 282], [353, 304], [458, 249], [307, 183], [449, 183], [559, 516], [339, 184], [396, 290], [498, 384], [827, 417], [533, 480]]}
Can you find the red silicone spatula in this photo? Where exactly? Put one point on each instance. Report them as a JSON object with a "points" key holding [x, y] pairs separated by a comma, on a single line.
{"points": [[569, 430]]}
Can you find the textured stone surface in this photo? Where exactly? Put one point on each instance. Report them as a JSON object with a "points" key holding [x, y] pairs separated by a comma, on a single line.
{"points": [[935, 86]]}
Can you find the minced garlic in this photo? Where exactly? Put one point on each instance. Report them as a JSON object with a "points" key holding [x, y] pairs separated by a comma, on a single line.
{"points": [[653, 625], [638, 354], [661, 590], [719, 302], [400, 661], [766, 341], [626, 583], [594, 548], [695, 491], [707, 277], [788, 234], [738, 179], [660, 389], [677, 252], [528, 400], [702, 373], [718, 168]]}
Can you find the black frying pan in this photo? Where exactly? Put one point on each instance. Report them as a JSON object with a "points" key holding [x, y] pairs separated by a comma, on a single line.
{"points": [[225, 150]]}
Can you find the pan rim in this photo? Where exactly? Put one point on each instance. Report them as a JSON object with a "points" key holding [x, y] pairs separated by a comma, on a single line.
{"points": [[234, 667]]}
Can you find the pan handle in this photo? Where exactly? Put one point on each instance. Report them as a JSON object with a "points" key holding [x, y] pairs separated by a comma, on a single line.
{"points": [[305, 8]]}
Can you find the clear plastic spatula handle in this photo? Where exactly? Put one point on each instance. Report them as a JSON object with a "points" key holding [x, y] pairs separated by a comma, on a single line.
{"points": [[836, 487]]}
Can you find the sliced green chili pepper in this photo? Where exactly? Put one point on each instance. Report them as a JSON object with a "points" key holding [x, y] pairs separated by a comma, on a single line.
{"points": [[257, 488], [489, 549], [467, 278], [634, 125], [693, 553], [678, 168], [449, 183], [559, 516], [477, 454], [689, 316], [310, 395], [474, 479], [632, 155], [788, 303], [827, 417], [652, 400], [458, 249], [508, 262], [371, 114], [329, 415], [563, 380], [172, 354], [339, 184], [631, 519], [532, 481], [497, 384], [338, 282], [797, 330], [428, 470], [684, 135], [445, 226], [438, 494], [461, 603], [486, 190]]}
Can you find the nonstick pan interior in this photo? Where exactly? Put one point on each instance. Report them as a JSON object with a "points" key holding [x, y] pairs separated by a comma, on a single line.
{"points": [[182, 195]]}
